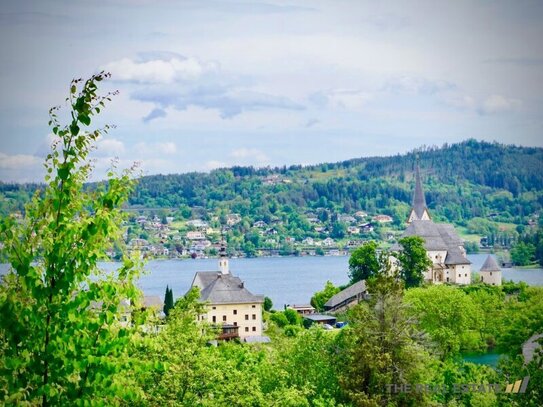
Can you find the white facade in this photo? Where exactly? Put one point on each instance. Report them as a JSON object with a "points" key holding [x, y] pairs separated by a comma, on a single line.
{"points": [[491, 277], [248, 317]]}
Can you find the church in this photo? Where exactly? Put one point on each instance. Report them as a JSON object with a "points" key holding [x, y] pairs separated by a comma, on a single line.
{"points": [[443, 245]]}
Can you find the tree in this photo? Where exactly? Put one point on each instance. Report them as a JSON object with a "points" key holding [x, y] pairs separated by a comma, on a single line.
{"points": [[62, 336], [364, 262], [381, 348], [168, 301], [321, 297], [522, 253], [268, 304], [413, 260]]}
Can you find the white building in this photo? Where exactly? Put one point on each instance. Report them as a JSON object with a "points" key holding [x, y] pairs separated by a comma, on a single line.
{"points": [[228, 303], [490, 272]]}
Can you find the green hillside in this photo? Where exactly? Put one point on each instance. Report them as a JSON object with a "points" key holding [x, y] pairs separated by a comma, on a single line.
{"points": [[486, 189]]}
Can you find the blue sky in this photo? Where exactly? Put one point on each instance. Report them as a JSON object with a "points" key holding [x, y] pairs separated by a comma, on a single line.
{"points": [[205, 84]]}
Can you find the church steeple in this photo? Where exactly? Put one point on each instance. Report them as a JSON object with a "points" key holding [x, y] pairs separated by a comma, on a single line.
{"points": [[223, 259], [419, 211]]}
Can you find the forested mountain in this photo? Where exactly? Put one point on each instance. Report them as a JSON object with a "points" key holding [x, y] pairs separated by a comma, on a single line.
{"points": [[462, 181]]}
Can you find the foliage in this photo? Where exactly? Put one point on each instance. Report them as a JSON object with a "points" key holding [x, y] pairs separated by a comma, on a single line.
{"points": [[280, 319], [364, 262], [321, 297], [62, 337], [382, 347], [168, 301], [414, 261], [523, 254], [268, 304], [446, 313]]}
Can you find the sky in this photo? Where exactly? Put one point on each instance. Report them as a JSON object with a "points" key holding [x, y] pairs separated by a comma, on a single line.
{"points": [[208, 84]]}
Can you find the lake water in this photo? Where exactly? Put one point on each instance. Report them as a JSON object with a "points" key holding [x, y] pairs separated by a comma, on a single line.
{"points": [[286, 280]]}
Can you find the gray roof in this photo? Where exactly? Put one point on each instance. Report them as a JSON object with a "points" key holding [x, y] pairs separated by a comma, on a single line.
{"points": [[490, 264], [319, 317], [152, 301], [218, 288], [419, 201], [351, 291], [438, 236], [455, 256]]}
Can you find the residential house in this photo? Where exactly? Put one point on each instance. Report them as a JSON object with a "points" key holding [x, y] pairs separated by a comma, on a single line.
{"points": [[228, 302]]}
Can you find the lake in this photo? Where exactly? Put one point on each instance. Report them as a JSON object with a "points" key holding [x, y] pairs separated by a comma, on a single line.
{"points": [[286, 280]]}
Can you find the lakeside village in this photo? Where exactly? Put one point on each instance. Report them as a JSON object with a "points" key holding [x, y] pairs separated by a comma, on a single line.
{"points": [[238, 312], [163, 233]]}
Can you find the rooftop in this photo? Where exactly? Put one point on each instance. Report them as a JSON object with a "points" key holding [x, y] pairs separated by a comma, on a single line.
{"points": [[351, 291]]}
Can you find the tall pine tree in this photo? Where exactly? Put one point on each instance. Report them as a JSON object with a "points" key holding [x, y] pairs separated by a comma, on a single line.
{"points": [[168, 300]]}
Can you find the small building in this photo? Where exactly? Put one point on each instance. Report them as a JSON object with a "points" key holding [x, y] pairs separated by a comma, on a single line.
{"points": [[347, 298], [228, 303], [302, 309], [490, 272], [320, 319]]}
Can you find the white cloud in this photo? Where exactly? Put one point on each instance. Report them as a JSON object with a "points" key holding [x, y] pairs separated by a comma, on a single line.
{"points": [[151, 149], [159, 71], [19, 161], [498, 104], [490, 105], [250, 155], [109, 147], [350, 99]]}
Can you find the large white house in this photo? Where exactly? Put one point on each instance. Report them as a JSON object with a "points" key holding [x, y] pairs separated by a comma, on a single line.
{"points": [[443, 245], [228, 303]]}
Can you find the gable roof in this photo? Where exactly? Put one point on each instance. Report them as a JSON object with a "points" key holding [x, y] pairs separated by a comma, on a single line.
{"points": [[351, 291], [490, 264], [218, 288]]}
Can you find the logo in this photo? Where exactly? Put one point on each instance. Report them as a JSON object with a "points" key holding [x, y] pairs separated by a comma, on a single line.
{"points": [[519, 387]]}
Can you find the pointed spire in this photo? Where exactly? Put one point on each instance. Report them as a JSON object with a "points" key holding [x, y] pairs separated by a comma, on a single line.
{"points": [[223, 259], [419, 201]]}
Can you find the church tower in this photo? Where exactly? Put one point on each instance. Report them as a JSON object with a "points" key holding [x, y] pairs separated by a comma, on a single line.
{"points": [[223, 260], [419, 211]]}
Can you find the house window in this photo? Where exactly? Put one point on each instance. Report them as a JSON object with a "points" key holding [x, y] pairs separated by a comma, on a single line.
{"points": [[447, 279], [235, 324], [254, 316], [214, 318], [224, 318], [254, 306], [491, 273], [214, 307], [465, 275], [235, 312], [246, 329], [459, 275], [254, 328], [246, 317]]}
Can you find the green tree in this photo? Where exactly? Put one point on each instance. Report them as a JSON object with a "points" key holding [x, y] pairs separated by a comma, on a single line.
{"points": [[321, 297], [522, 253], [268, 304], [364, 262], [413, 260], [168, 301], [63, 340], [382, 347], [445, 313]]}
